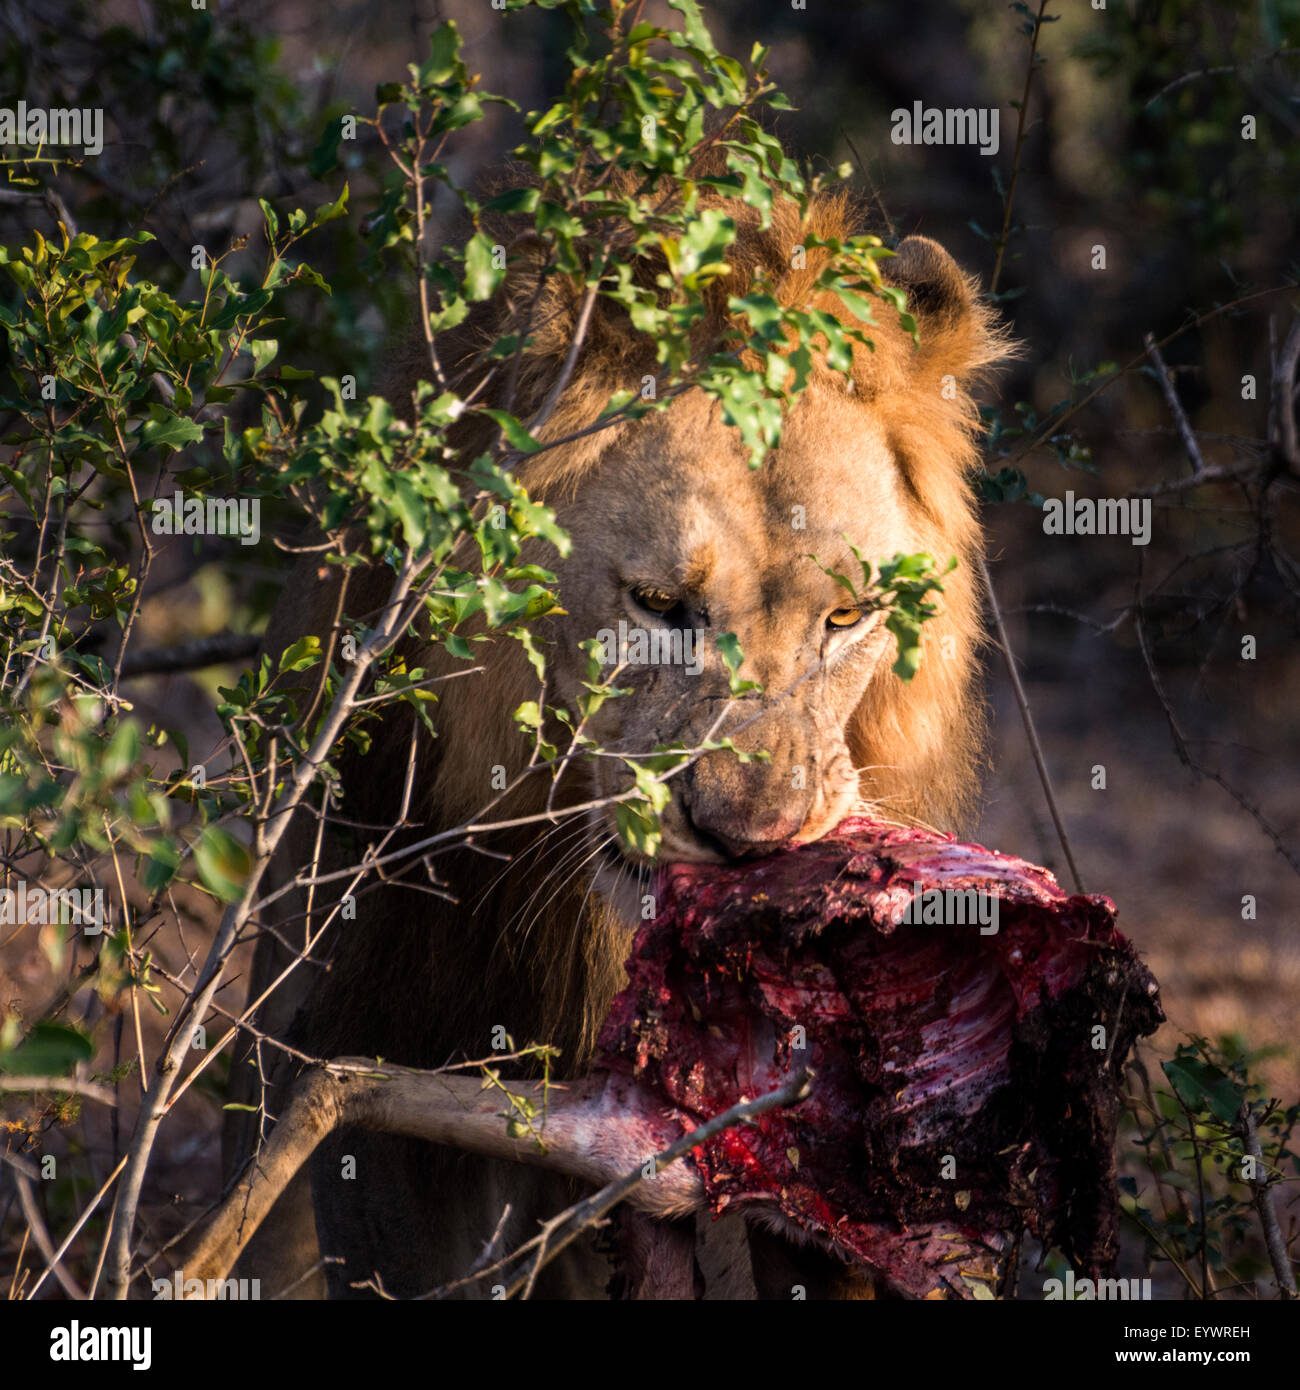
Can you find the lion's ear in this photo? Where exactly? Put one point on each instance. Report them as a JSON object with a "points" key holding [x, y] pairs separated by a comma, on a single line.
{"points": [[954, 325]]}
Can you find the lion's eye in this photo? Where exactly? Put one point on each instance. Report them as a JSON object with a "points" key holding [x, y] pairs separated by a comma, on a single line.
{"points": [[844, 617], [656, 600]]}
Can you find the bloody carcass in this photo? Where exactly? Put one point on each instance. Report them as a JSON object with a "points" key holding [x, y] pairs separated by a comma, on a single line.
{"points": [[967, 1022]]}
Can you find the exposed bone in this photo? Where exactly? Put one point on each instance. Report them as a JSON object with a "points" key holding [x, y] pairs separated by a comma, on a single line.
{"points": [[598, 1130]]}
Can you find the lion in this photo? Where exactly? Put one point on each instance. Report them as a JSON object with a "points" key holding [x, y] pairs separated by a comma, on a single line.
{"points": [[672, 530]]}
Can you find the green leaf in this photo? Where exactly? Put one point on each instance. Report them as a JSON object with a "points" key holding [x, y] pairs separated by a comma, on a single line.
{"points": [[444, 56], [168, 431], [161, 862], [305, 652], [327, 212], [638, 827], [412, 509], [50, 1049], [263, 350], [732, 656], [122, 751], [324, 158], [1202, 1086], [222, 862], [515, 200], [517, 435], [481, 275]]}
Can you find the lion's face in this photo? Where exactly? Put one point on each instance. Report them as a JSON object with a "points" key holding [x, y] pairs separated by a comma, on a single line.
{"points": [[677, 542], [681, 542]]}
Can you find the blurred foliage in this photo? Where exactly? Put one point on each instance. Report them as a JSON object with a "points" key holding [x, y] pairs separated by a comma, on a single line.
{"points": [[1193, 73], [1192, 1183]]}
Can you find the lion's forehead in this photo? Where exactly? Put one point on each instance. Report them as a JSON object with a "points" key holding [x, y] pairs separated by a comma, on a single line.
{"points": [[682, 500]]}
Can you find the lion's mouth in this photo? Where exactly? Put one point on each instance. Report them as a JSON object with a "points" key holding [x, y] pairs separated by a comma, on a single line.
{"points": [[623, 875]]}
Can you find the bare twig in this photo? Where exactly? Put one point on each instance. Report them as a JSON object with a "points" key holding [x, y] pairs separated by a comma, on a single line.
{"points": [[1054, 422], [307, 1274], [1031, 733], [1009, 200], [1184, 752], [1158, 1121], [1277, 1252], [53, 1084], [1284, 421], [55, 205], [91, 1207], [1004, 643], [23, 1174], [1207, 1284], [1221, 70], [1176, 408], [168, 1070], [1210, 474], [571, 357]]}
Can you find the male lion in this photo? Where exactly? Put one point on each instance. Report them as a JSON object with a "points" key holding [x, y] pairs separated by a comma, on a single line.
{"points": [[671, 528]]}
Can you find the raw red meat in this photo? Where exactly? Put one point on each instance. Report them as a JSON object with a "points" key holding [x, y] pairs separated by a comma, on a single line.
{"points": [[966, 1082]]}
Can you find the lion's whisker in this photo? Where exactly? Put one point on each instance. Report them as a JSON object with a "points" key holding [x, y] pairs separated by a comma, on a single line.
{"points": [[560, 887], [517, 862]]}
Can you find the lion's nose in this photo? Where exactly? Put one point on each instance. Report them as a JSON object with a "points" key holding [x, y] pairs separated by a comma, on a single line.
{"points": [[738, 838]]}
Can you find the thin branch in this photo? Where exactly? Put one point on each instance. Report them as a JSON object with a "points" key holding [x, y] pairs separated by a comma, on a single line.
{"points": [[571, 357], [85, 1216], [1207, 1284], [1277, 1252], [1219, 71], [1284, 401], [1022, 702], [23, 1174], [1184, 752], [168, 1068], [1176, 408], [1009, 200], [1053, 422], [54, 1084], [1031, 733], [1213, 473]]}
